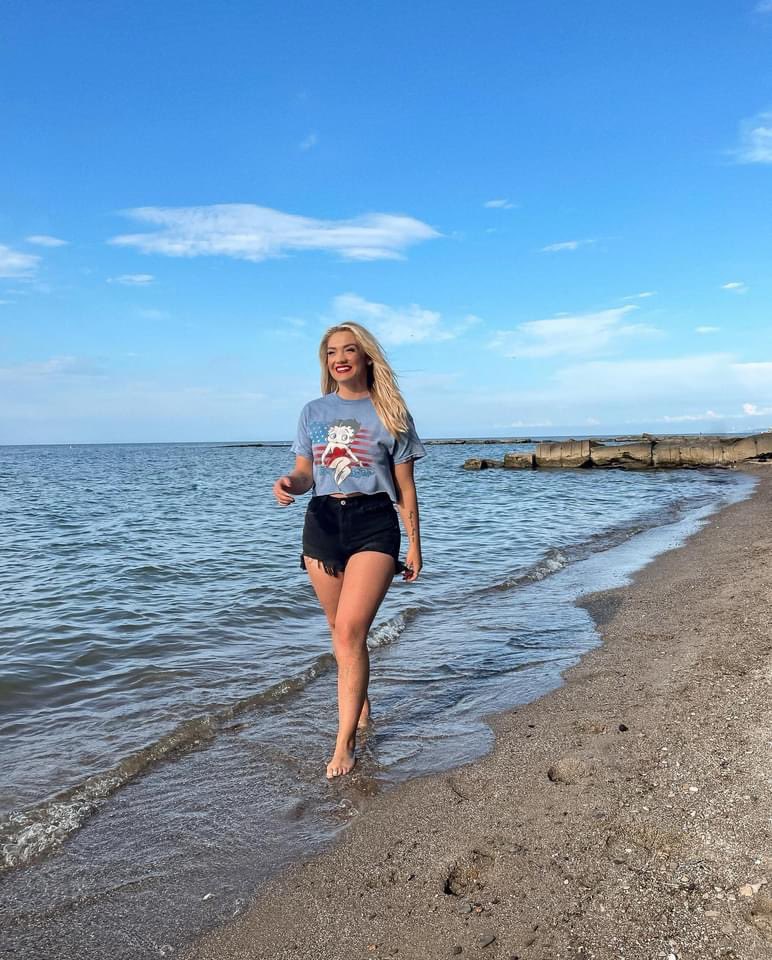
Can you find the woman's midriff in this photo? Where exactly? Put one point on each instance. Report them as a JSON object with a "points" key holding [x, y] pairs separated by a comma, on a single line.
{"points": [[346, 496]]}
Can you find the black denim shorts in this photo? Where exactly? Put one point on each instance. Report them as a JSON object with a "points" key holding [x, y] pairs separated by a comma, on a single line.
{"points": [[336, 528]]}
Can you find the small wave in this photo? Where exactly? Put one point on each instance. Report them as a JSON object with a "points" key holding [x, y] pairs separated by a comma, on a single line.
{"points": [[27, 834], [557, 558], [280, 690], [554, 560], [391, 630]]}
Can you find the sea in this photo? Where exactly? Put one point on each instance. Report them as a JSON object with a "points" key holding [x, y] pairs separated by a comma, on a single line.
{"points": [[167, 689]]}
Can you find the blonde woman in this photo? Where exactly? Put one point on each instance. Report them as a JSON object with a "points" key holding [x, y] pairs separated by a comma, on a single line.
{"points": [[354, 451]]}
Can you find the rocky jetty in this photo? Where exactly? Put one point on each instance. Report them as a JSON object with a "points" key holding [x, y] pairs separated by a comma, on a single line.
{"points": [[635, 454]]}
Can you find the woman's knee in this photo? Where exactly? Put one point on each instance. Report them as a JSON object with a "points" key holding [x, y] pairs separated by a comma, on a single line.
{"points": [[349, 634]]}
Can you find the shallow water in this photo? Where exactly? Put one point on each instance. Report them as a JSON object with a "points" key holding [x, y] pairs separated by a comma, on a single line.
{"points": [[166, 689]]}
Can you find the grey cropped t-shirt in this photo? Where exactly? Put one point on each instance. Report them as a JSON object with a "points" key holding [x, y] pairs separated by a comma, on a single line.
{"points": [[350, 448]]}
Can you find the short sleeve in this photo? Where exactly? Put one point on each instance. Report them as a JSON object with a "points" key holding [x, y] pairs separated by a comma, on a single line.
{"points": [[408, 446], [302, 445]]}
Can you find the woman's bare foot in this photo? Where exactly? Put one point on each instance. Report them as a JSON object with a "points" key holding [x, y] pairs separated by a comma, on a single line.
{"points": [[343, 761], [364, 716]]}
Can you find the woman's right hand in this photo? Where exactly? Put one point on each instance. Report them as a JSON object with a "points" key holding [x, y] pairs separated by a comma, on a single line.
{"points": [[281, 490]]}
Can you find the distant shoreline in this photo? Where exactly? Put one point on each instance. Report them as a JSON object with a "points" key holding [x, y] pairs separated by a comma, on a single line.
{"points": [[432, 441], [460, 441]]}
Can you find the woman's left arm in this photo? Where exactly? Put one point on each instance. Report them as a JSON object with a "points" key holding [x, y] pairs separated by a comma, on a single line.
{"points": [[407, 502]]}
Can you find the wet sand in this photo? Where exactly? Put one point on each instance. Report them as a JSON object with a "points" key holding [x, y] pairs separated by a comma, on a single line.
{"points": [[626, 814]]}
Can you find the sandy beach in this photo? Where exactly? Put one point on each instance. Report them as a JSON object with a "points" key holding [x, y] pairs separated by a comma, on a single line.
{"points": [[625, 814]]}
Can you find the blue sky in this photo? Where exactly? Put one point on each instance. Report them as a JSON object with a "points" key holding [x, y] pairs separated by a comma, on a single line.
{"points": [[556, 216]]}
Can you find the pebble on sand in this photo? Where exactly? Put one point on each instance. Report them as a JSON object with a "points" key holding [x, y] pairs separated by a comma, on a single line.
{"points": [[567, 770]]}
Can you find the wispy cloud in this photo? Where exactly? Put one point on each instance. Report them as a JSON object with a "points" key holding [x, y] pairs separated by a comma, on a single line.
{"points": [[659, 379], [702, 378], [644, 295], [44, 240], [688, 417], [755, 139], [248, 232], [503, 204], [576, 334], [17, 265], [309, 142], [153, 313], [763, 6], [566, 245], [628, 390], [748, 410], [395, 326], [756, 375], [706, 329], [133, 279], [735, 286], [53, 368]]}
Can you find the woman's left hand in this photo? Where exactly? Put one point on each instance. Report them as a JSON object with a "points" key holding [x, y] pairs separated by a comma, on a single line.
{"points": [[413, 564]]}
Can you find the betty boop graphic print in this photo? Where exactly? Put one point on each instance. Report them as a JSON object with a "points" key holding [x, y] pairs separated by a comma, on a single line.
{"points": [[342, 446]]}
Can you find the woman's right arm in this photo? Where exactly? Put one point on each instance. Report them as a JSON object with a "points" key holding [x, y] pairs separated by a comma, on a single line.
{"points": [[300, 480]]}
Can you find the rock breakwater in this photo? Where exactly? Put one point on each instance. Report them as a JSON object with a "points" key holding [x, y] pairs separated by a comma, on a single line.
{"points": [[646, 453]]}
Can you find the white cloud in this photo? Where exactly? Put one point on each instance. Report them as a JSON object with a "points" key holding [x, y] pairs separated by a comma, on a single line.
{"points": [[755, 139], [133, 279], [751, 410], [704, 330], [310, 141], [394, 326], [43, 240], [248, 232], [688, 417], [16, 265], [499, 204], [644, 295], [735, 286], [581, 333], [566, 245]]}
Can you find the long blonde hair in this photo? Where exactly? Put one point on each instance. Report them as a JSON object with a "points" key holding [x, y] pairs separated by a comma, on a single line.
{"points": [[381, 380]]}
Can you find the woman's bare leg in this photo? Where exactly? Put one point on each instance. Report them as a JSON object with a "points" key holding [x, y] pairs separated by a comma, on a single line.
{"points": [[366, 579], [328, 589]]}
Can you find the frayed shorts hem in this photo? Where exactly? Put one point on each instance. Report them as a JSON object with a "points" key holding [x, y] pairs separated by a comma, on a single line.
{"points": [[334, 568]]}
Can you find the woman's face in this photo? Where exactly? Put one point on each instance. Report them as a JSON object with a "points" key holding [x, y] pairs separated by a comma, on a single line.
{"points": [[346, 361]]}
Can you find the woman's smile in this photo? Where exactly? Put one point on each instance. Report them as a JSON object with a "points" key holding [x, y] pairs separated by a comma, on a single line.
{"points": [[346, 361]]}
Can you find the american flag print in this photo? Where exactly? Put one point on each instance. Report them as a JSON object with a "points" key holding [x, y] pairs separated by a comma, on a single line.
{"points": [[342, 446]]}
